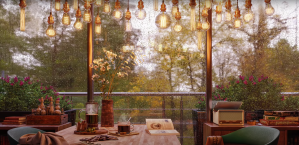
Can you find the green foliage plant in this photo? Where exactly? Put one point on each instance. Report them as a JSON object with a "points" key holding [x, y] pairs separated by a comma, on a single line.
{"points": [[23, 94], [256, 93], [108, 66]]}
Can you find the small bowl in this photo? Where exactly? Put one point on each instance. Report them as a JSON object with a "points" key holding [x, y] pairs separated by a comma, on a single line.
{"points": [[123, 133]]}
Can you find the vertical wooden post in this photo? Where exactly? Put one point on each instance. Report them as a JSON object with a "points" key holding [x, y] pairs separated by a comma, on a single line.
{"points": [[90, 57], [209, 69], [181, 121]]}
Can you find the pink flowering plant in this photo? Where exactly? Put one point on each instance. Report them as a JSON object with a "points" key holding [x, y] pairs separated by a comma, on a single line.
{"points": [[23, 94], [256, 93], [107, 67]]}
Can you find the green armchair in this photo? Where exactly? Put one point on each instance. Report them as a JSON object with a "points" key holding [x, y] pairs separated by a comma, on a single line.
{"points": [[254, 135], [15, 133]]}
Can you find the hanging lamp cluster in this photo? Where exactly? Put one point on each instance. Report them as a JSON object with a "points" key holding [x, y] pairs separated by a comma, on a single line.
{"points": [[163, 19]]}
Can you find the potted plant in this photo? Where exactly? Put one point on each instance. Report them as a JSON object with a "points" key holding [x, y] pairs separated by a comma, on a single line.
{"points": [[107, 67], [19, 95]]}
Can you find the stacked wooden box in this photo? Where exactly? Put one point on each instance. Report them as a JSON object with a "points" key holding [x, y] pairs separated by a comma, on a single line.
{"points": [[280, 118], [14, 120]]}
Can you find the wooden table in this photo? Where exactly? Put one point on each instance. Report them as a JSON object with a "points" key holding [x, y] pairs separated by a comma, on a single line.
{"points": [[211, 129], [142, 139], [52, 128]]}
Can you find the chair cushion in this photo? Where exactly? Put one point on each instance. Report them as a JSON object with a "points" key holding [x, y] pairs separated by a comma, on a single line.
{"points": [[15, 133]]}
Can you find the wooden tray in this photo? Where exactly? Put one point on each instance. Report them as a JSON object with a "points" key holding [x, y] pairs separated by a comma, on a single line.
{"points": [[46, 119], [100, 131]]}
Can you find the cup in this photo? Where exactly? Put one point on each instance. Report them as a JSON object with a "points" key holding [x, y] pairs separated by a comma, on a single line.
{"points": [[125, 127]]}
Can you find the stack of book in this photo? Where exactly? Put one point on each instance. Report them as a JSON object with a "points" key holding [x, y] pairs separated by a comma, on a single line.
{"points": [[14, 120], [280, 118]]}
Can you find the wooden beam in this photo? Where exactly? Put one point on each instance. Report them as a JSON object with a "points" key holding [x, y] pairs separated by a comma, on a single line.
{"points": [[209, 69], [90, 58]]}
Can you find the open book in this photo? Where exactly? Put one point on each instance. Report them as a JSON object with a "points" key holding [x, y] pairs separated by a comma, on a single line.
{"points": [[160, 127]]}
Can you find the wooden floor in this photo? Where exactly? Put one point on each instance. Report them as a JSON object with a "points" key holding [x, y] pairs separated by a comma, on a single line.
{"points": [[142, 139]]}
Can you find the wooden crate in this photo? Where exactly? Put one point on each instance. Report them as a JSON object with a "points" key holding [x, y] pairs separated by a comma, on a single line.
{"points": [[46, 119]]}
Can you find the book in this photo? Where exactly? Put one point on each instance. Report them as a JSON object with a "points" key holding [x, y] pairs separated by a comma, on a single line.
{"points": [[15, 118], [160, 127], [279, 122], [12, 123], [289, 118]]}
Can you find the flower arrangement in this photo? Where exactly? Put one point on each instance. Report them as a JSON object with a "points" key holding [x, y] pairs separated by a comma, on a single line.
{"points": [[23, 94], [256, 93], [108, 66]]}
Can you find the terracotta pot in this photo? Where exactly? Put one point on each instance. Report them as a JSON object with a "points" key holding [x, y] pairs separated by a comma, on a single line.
{"points": [[107, 116]]}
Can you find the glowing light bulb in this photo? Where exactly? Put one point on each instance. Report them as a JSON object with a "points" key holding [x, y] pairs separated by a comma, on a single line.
{"points": [[199, 26], [205, 25], [66, 20], [156, 6], [117, 14], [163, 20], [199, 40], [87, 16], [217, 2], [78, 25], [128, 26], [50, 31], [57, 5], [248, 16], [107, 7], [22, 19], [76, 3], [218, 17], [228, 16], [269, 10], [177, 26], [174, 10], [237, 23], [208, 4], [98, 3], [192, 19], [98, 29], [140, 14]]}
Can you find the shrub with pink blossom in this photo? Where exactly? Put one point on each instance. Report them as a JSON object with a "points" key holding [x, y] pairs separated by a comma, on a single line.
{"points": [[256, 93], [23, 94]]}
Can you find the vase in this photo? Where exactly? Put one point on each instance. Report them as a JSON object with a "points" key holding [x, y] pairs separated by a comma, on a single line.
{"points": [[107, 116]]}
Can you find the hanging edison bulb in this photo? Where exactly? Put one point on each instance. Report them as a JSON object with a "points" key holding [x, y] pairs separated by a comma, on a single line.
{"points": [[217, 2], [57, 5], [140, 12], [107, 7], [205, 12], [208, 4], [219, 13], [174, 7], [163, 20], [50, 31], [98, 3], [269, 10], [237, 21], [228, 14], [128, 24], [156, 5], [22, 14], [78, 25], [192, 4], [76, 3], [177, 26], [87, 13], [66, 20], [205, 24], [248, 16], [117, 13], [98, 27]]}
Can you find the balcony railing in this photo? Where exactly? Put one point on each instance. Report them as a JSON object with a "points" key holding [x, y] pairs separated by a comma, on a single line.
{"points": [[174, 105]]}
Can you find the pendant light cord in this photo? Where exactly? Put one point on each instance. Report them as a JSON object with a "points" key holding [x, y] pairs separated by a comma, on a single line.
{"points": [[199, 10], [51, 6], [128, 4], [237, 3]]}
